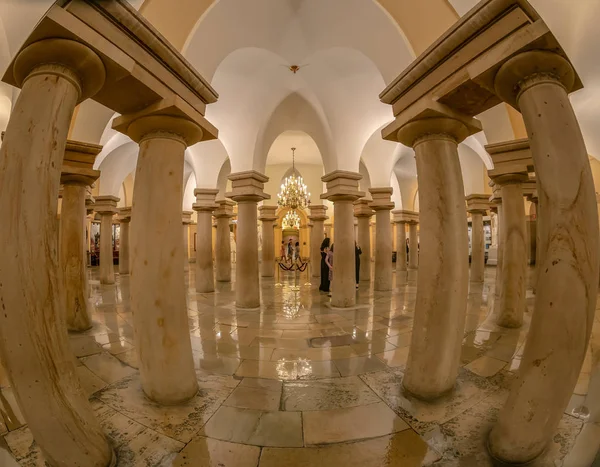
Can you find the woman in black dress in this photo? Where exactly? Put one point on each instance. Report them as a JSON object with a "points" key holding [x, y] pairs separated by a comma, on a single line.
{"points": [[324, 287], [357, 253]]}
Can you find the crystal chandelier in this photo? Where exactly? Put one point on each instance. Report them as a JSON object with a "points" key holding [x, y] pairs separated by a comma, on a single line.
{"points": [[291, 220], [294, 193]]}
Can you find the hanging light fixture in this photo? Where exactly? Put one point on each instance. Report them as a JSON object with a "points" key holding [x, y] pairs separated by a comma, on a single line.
{"points": [[291, 220], [294, 193]]}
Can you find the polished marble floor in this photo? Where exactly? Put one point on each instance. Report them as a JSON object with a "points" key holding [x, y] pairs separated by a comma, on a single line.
{"points": [[299, 384]]}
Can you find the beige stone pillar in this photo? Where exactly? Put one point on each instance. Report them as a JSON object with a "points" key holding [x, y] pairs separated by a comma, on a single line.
{"points": [[89, 217], [55, 75], [317, 217], [382, 205], [106, 206], [401, 258], [363, 214], [268, 218], [533, 198], [342, 190], [124, 260], [328, 230], [477, 206], [247, 191], [223, 215], [537, 82], [158, 295], [204, 207], [186, 220], [413, 245], [441, 302], [76, 176]]}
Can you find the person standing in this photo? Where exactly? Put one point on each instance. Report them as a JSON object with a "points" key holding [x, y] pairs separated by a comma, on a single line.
{"points": [[325, 284], [282, 251], [357, 253], [329, 262]]}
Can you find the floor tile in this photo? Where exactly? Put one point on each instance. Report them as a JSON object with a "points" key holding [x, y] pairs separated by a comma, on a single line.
{"points": [[254, 398], [83, 346], [9, 410], [486, 366], [107, 367], [207, 452], [394, 358], [359, 365], [89, 381], [284, 369]]}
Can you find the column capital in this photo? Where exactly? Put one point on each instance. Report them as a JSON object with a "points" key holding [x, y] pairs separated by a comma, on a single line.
{"points": [[318, 212], [186, 217], [267, 213], [382, 198], [529, 188], [106, 204], [512, 161], [342, 185], [478, 203], [224, 209], [362, 208], [205, 199], [248, 186], [125, 214], [89, 203], [406, 217]]}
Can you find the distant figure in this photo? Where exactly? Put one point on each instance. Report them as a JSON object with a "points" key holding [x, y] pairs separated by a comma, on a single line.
{"points": [[325, 284], [282, 251], [296, 251], [357, 253], [329, 261], [290, 249]]}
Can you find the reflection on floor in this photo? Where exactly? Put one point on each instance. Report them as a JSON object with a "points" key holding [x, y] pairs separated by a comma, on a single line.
{"points": [[301, 384]]}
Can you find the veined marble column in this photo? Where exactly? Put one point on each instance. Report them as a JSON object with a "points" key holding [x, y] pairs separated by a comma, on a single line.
{"points": [[511, 162], [106, 206], [268, 218], [477, 206], [223, 215], [538, 82], [363, 214], [124, 261], [158, 295], [247, 191], [89, 216], [441, 304], [186, 220], [54, 76], [342, 190], [401, 258], [382, 205], [413, 245], [317, 217], [204, 207], [77, 175]]}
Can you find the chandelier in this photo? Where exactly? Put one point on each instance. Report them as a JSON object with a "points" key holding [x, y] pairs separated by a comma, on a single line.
{"points": [[294, 193], [291, 220]]}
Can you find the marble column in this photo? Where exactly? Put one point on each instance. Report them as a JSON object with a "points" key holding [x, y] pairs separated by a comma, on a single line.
{"points": [[124, 261], [533, 198], [401, 266], [54, 76], [342, 190], [441, 303], [186, 220], [157, 283], [204, 207], [363, 214], [106, 206], [268, 218], [247, 191], [76, 176], [89, 217], [382, 205], [223, 215], [513, 274], [477, 206], [538, 82], [413, 245], [317, 217]]}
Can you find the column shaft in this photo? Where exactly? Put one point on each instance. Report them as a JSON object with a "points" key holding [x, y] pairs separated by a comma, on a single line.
{"points": [[158, 296], [34, 347], [247, 290], [343, 288], [205, 280], [383, 251], [316, 238], [413, 246], [124, 266], [364, 241], [477, 247], [400, 247], [268, 249], [441, 302], [186, 247], [107, 270], [500, 260], [223, 250]]}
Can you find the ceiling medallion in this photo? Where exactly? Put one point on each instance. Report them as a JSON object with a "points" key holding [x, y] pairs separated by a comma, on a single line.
{"points": [[294, 193]]}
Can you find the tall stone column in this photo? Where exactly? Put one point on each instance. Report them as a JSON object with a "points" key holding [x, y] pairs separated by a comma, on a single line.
{"points": [[186, 220], [441, 303], [511, 162], [268, 218], [401, 258], [477, 206], [158, 295], [538, 82], [124, 260], [89, 217], [342, 190], [223, 215], [247, 191], [204, 207], [106, 206], [317, 217], [413, 245], [363, 214], [76, 176], [54, 76], [382, 205], [533, 198]]}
